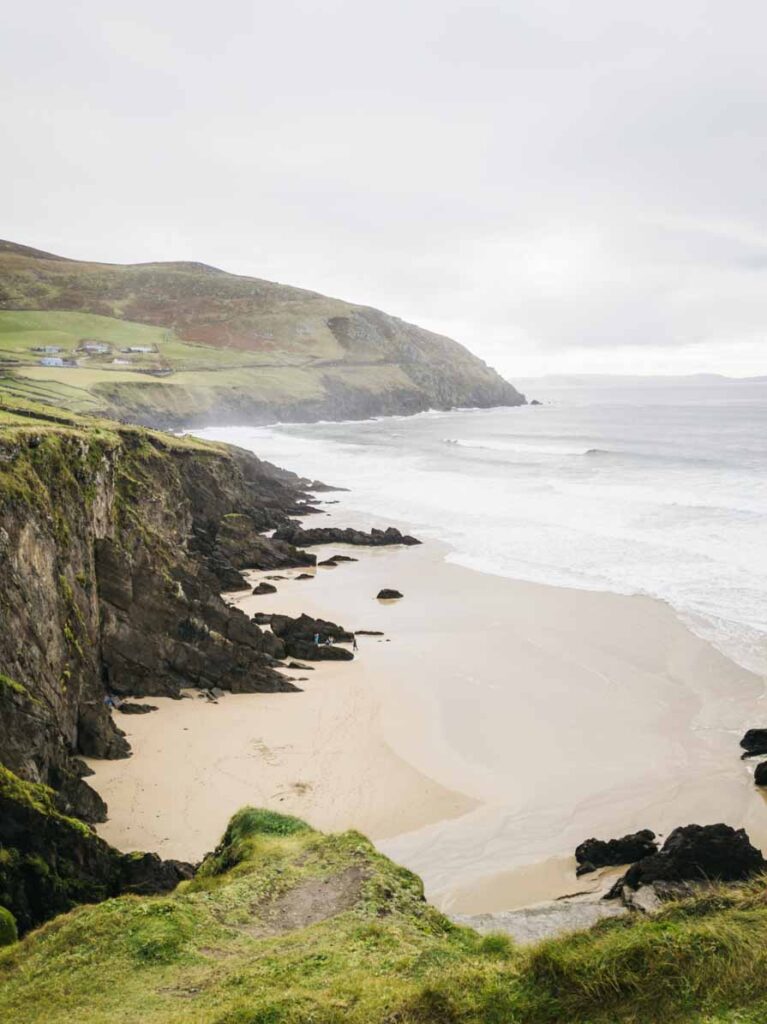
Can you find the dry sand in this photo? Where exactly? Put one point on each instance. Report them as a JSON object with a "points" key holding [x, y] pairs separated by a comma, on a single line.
{"points": [[495, 726]]}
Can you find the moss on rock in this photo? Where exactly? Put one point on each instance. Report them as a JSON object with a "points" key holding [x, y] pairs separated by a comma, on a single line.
{"points": [[8, 931]]}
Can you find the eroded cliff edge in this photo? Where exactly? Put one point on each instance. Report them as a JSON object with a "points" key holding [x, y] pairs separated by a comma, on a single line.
{"points": [[115, 543]]}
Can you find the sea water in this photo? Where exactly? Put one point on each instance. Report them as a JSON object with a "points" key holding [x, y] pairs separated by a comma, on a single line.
{"points": [[656, 488]]}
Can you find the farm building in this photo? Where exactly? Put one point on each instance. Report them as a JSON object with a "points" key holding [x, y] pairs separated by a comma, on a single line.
{"points": [[56, 361]]}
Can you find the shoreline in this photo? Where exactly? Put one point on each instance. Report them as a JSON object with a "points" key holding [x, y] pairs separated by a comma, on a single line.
{"points": [[503, 723]]}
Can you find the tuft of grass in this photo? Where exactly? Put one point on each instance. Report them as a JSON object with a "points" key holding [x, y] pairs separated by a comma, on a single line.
{"points": [[10, 685]]}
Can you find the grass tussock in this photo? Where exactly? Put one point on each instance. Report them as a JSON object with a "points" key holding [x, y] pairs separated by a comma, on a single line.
{"points": [[284, 925]]}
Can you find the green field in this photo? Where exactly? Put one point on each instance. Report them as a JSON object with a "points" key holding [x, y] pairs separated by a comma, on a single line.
{"points": [[201, 377]]}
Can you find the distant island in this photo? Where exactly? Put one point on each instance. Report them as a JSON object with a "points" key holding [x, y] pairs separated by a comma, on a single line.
{"points": [[185, 344]]}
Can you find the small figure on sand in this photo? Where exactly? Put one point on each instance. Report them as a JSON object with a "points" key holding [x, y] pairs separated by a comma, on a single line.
{"points": [[316, 639], [355, 645]]}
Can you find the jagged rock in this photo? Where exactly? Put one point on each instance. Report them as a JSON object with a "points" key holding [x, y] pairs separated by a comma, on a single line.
{"points": [[240, 541], [51, 863], [128, 708], [111, 581], [179, 633], [264, 588], [388, 595], [144, 874], [298, 665], [298, 636], [305, 576], [305, 627], [98, 736], [333, 562], [318, 652], [644, 899], [692, 852], [262, 618], [294, 533], [760, 774], [229, 579], [754, 742], [597, 853]]}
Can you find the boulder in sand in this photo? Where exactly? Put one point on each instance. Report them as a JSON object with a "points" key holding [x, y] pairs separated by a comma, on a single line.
{"points": [[264, 588], [128, 708], [598, 853], [696, 853], [754, 742], [388, 595], [760, 774]]}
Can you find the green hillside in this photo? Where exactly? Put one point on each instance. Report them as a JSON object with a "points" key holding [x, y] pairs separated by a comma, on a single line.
{"points": [[285, 924], [180, 344]]}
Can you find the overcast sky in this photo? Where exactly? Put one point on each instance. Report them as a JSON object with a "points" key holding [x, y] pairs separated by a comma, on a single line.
{"points": [[560, 186]]}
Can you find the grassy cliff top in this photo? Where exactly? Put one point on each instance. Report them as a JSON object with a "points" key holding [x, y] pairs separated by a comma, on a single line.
{"points": [[22, 418], [285, 924], [182, 342]]}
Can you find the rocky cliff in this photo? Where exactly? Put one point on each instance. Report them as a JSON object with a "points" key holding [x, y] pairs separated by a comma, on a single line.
{"points": [[115, 543], [181, 344]]}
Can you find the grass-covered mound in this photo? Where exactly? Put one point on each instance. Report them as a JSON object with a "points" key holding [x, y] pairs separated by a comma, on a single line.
{"points": [[284, 924], [186, 344]]}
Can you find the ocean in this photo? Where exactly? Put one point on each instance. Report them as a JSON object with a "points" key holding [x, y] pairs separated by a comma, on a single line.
{"points": [[655, 488]]}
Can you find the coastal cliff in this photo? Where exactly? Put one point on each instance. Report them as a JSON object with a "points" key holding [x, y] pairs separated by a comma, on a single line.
{"points": [[184, 344], [115, 544]]}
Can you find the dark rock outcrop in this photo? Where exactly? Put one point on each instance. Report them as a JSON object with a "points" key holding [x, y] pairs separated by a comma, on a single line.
{"points": [[754, 742], [388, 595], [239, 539], [597, 853], [51, 862], [696, 852], [760, 774], [294, 533], [161, 633], [264, 588], [110, 582], [299, 636], [129, 708]]}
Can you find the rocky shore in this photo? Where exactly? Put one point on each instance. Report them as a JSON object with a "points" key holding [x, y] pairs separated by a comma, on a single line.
{"points": [[117, 544]]}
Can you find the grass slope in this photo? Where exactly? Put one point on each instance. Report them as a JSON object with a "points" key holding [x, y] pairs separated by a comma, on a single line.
{"points": [[285, 924], [224, 346]]}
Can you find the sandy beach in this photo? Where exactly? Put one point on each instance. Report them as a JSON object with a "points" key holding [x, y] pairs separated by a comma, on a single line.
{"points": [[493, 727]]}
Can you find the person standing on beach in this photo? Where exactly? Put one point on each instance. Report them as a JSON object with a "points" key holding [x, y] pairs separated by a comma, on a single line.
{"points": [[355, 645]]}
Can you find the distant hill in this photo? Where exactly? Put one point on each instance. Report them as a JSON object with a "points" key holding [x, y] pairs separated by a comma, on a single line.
{"points": [[185, 344]]}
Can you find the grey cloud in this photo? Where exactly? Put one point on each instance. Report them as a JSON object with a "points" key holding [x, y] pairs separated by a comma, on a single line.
{"points": [[547, 181]]}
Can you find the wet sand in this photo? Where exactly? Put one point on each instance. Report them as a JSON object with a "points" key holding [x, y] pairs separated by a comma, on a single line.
{"points": [[495, 726]]}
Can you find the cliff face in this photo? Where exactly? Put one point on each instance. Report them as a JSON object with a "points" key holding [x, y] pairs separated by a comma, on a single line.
{"points": [[211, 347], [114, 545]]}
